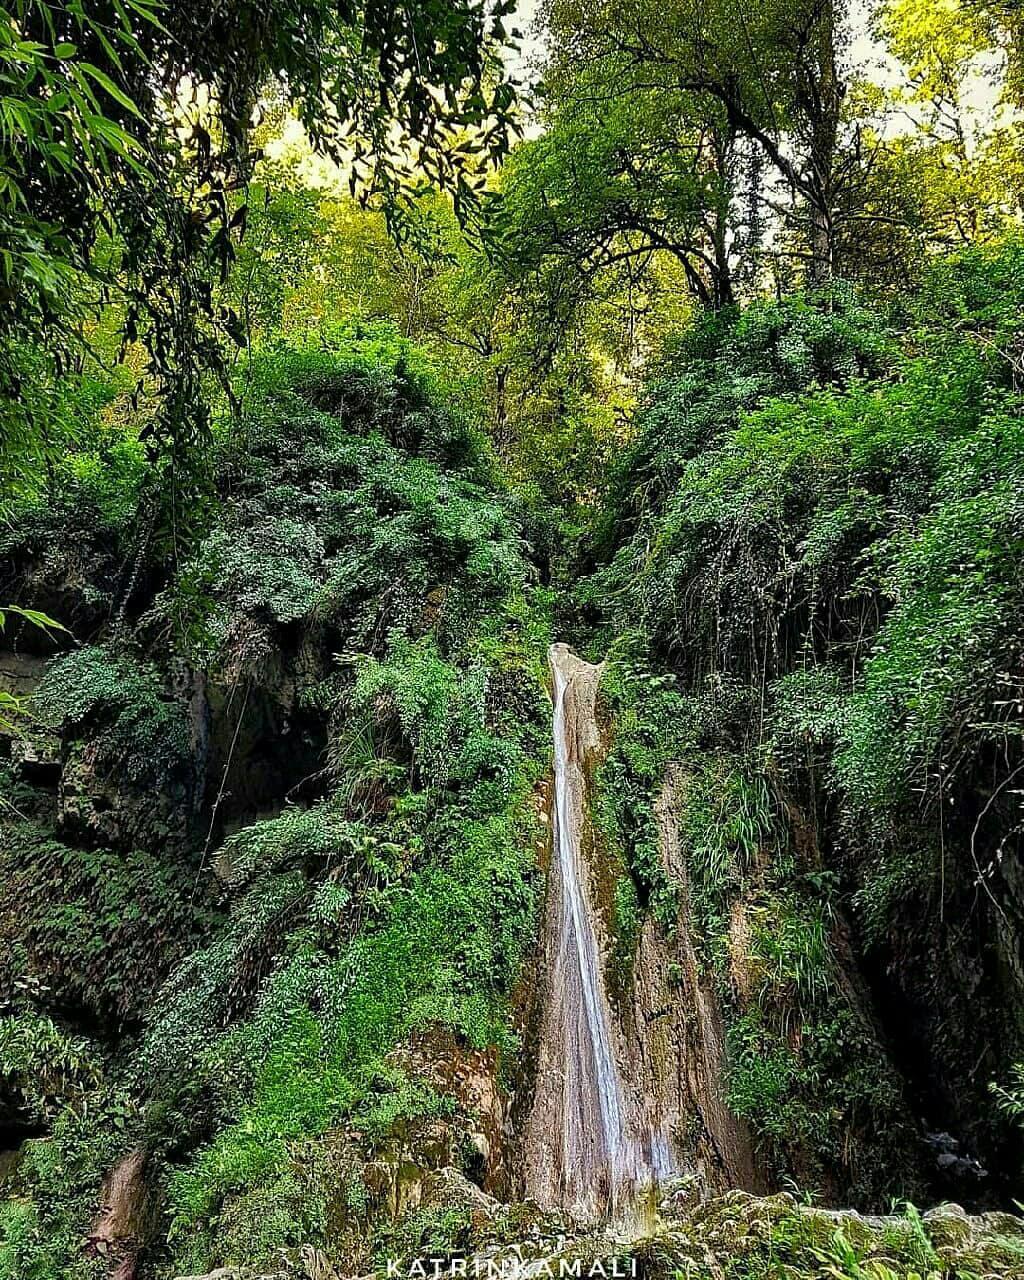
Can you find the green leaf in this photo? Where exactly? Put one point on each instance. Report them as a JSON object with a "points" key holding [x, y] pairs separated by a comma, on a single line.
{"points": [[35, 616], [105, 82]]}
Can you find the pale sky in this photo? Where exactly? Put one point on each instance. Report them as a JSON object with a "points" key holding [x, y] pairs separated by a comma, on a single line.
{"points": [[526, 12]]}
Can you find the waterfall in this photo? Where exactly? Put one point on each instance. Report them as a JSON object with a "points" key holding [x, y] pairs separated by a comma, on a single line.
{"points": [[579, 960], [584, 1152]]}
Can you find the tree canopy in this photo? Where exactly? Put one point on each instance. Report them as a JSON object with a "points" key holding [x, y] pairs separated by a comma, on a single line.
{"points": [[352, 356]]}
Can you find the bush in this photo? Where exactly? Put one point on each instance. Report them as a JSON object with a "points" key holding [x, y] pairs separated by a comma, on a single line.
{"points": [[352, 501], [121, 706], [93, 931]]}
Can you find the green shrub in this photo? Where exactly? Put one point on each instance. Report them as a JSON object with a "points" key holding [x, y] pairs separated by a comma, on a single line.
{"points": [[354, 500], [43, 1067], [122, 706], [95, 930], [408, 896]]}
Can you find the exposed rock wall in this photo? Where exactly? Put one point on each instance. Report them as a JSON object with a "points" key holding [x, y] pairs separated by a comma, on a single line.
{"points": [[665, 1038], [675, 1039]]}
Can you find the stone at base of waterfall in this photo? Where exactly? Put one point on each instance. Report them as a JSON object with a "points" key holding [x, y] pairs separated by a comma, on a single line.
{"points": [[449, 1188], [724, 1238], [222, 1273]]}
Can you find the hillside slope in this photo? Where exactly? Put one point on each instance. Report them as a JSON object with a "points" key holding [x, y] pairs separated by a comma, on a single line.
{"points": [[276, 820]]}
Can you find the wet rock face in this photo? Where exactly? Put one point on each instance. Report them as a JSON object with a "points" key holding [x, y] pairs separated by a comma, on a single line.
{"points": [[950, 995], [676, 1038], [586, 1150], [95, 807], [625, 1093], [119, 1232]]}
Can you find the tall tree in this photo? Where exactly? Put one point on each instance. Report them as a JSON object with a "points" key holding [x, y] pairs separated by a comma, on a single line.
{"points": [[769, 74], [620, 175]]}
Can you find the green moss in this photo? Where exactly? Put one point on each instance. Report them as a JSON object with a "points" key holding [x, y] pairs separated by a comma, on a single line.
{"points": [[742, 1237], [122, 706], [627, 921], [88, 929], [648, 724]]}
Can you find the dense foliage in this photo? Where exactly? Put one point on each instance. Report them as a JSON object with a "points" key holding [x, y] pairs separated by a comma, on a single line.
{"points": [[363, 579], [318, 427], [818, 532]]}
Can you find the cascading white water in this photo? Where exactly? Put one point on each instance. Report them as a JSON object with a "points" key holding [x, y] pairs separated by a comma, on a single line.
{"points": [[585, 1123], [625, 1096], [578, 946]]}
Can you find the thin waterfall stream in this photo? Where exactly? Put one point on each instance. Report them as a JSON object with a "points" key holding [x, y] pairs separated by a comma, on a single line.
{"points": [[586, 1132]]}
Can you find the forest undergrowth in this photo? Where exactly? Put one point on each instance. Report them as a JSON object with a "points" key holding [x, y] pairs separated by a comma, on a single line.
{"points": [[340, 376], [296, 825]]}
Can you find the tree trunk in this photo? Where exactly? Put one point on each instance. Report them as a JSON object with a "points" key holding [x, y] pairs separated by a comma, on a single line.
{"points": [[501, 432], [820, 97], [724, 295]]}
